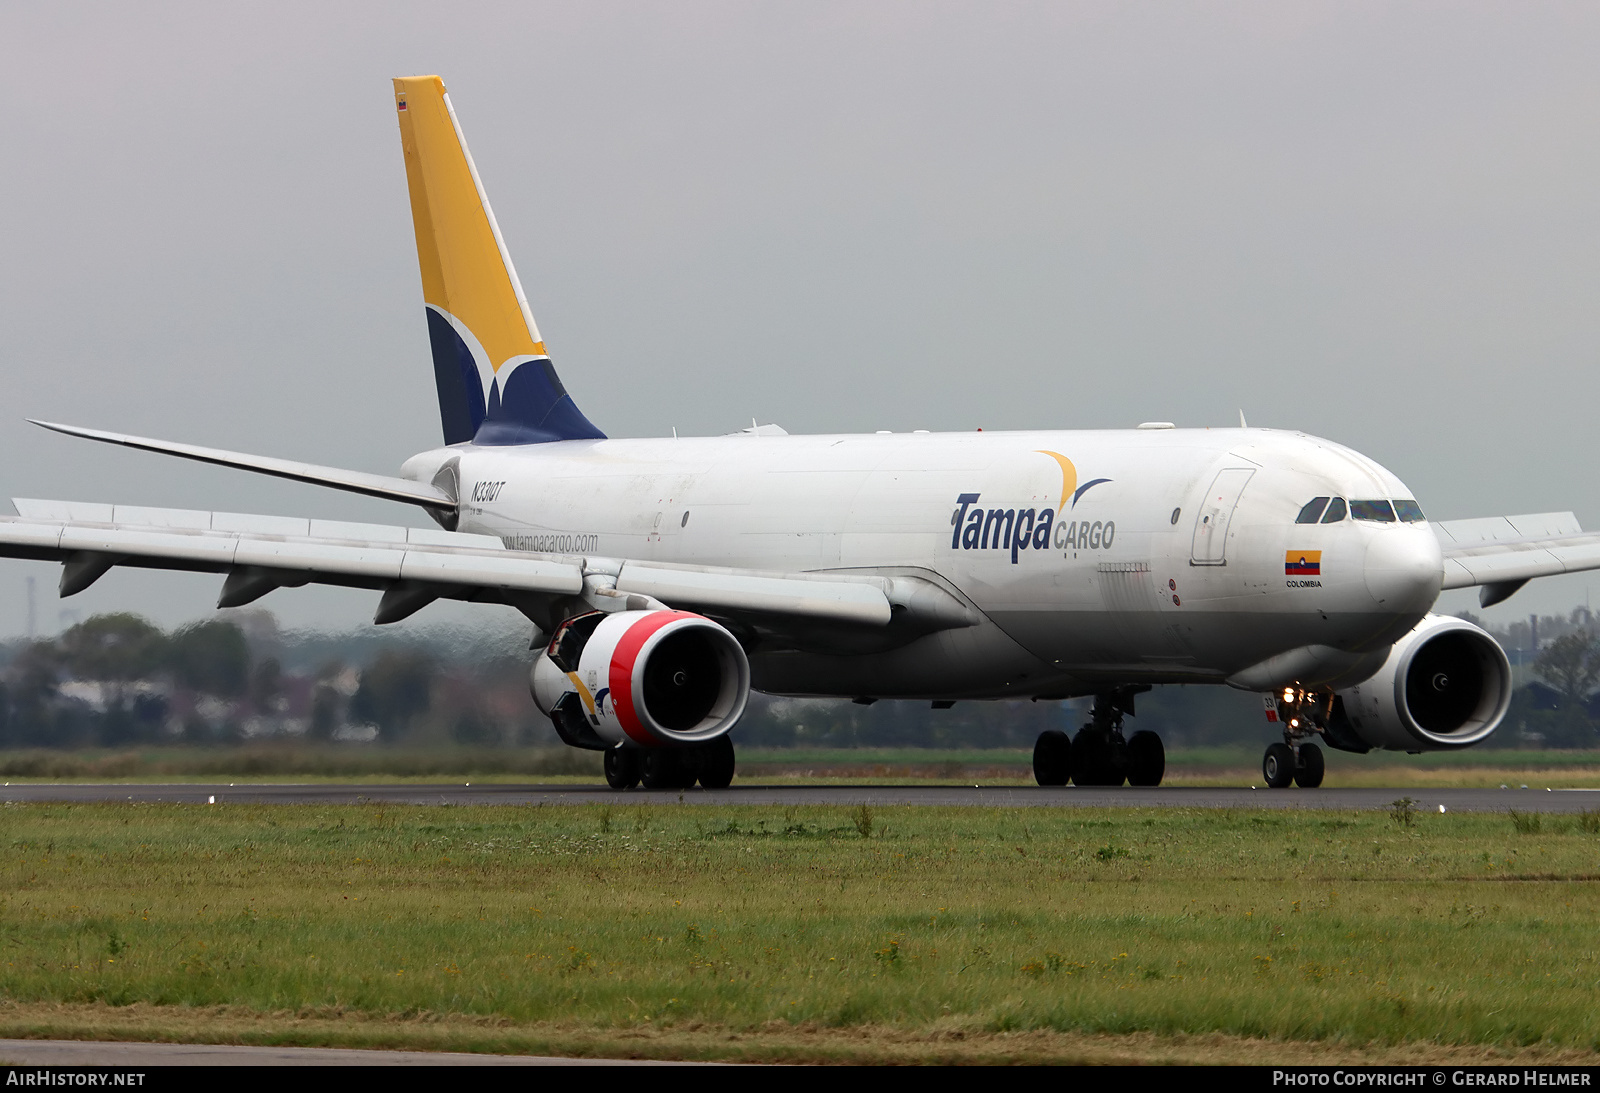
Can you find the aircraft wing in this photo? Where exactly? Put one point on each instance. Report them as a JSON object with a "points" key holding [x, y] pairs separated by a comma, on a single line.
{"points": [[371, 485], [1503, 553], [415, 566]]}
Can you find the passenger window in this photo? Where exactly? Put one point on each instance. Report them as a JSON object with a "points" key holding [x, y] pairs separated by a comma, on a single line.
{"points": [[1313, 511], [1409, 511], [1380, 511], [1335, 511]]}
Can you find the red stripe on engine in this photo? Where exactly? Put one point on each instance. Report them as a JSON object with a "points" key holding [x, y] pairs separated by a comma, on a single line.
{"points": [[622, 661]]}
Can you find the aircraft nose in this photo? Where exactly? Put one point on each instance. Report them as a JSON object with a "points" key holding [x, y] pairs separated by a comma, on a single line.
{"points": [[1404, 569]]}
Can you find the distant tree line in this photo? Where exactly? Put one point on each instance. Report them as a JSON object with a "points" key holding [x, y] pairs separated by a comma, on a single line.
{"points": [[1561, 708], [116, 680]]}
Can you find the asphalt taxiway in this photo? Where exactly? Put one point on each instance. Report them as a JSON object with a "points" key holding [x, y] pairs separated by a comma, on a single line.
{"points": [[1522, 798]]}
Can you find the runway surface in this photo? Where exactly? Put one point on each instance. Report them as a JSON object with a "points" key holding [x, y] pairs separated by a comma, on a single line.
{"points": [[133, 1055], [1530, 799]]}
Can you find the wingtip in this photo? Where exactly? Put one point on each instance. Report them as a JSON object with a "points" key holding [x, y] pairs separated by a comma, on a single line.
{"points": [[75, 430]]}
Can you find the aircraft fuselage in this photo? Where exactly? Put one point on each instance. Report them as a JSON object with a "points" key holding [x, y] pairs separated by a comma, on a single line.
{"points": [[1096, 559]]}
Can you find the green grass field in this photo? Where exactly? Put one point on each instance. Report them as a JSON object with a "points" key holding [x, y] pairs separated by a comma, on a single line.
{"points": [[808, 934], [296, 761], [1215, 766]]}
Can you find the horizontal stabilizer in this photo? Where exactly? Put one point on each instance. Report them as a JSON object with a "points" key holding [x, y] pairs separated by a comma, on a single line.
{"points": [[372, 485], [259, 553]]}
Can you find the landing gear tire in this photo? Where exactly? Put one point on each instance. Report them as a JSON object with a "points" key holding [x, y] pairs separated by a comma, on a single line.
{"points": [[1308, 775], [1088, 757], [1277, 766], [664, 768], [1147, 759], [1097, 759], [1116, 762], [716, 763], [1052, 758], [622, 768]]}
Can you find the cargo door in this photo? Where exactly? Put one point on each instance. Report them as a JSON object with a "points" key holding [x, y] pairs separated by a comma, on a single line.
{"points": [[1216, 512]]}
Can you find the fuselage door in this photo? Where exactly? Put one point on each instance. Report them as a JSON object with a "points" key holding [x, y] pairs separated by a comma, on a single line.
{"points": [[1216, 511]]}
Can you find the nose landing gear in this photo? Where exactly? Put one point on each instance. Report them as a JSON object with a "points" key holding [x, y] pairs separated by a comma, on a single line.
{"points": [[1301, 764], [1303, 715]]}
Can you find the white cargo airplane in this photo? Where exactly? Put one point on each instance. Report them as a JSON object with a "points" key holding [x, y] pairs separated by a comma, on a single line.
{"points": [[667, 577]]}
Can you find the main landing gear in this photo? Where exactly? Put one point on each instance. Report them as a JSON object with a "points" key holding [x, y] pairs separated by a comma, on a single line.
{"points": [[671, 768], [1099, 755], [1297, 759]]}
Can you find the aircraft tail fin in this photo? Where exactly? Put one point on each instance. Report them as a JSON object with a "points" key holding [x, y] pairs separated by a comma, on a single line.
{"points": [[495, 381]]}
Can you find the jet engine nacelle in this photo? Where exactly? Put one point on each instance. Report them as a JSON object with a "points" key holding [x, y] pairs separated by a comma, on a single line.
{"points": [[1446, 684], [647, 678]]}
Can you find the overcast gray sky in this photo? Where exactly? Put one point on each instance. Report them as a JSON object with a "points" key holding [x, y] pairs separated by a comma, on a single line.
{"points": [[1375, 222]]}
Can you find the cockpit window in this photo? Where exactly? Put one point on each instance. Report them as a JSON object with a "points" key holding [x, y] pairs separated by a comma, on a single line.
{"points": [[1381, 511], [1313, 511], [1335, 511], [1409, 511]]}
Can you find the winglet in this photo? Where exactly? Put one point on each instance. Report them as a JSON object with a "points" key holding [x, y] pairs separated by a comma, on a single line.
{"points": [[495, 382]]}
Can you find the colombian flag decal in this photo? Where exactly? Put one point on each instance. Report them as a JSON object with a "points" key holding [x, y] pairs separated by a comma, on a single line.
{"points": [[1302, 563]]}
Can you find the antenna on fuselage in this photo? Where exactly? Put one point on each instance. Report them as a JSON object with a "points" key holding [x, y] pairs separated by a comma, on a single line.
{"points": [[1242, 425]]}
